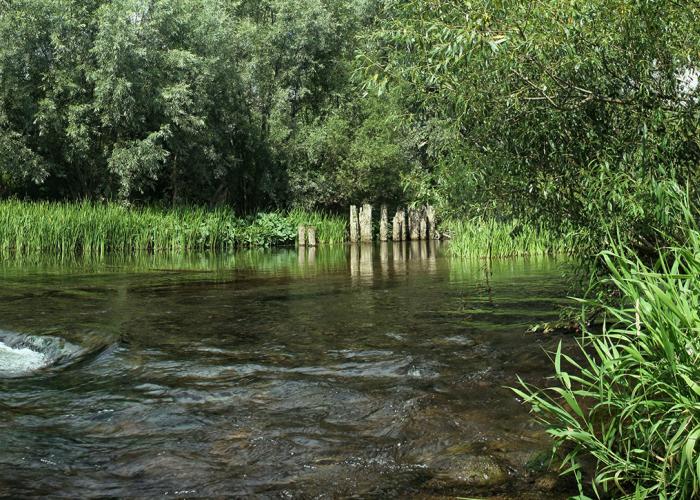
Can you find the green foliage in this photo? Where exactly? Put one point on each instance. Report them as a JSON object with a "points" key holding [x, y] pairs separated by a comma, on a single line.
{"points": [[569, 114], [178, 101], [578, 117], [489, 238], [98, 229], [630, 397], [267, 229], [354, 155]]}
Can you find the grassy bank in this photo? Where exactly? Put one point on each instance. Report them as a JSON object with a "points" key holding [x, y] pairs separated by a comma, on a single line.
{"points": [[97, 229], [483, 238], [630, 397]]}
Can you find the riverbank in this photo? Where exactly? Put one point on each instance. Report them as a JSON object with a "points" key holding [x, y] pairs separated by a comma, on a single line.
{"points": [[97, 229], [627, 398], [84, 228], [490, 238]]}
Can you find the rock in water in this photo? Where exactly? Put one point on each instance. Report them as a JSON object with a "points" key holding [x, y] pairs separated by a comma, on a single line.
{"points": [[16, 361], [469, 471], [23, 354]]}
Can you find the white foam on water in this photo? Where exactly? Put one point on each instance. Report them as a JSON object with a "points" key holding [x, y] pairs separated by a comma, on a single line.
{"points": [[21, 360]]}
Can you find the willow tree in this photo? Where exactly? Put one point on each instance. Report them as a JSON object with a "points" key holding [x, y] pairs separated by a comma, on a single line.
{"points": [[128, 99], [576, 113]]}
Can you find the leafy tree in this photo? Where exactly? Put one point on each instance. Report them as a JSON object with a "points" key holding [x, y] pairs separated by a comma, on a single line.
{"points": [[169, 100], [574, 113], [356, 154]]}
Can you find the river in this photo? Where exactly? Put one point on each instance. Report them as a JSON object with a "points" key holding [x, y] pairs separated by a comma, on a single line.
{"points": [[330, 372]]}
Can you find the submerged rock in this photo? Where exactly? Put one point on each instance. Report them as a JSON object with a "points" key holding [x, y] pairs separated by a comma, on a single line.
{"points": [[25, 354], [468, 471], [16, 361]]}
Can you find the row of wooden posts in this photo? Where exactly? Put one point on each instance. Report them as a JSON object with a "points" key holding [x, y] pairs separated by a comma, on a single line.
{"points": [[306, 235], [413, 224]]}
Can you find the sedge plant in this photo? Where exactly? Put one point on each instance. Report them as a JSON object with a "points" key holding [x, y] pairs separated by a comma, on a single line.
{"points": [[629, 397]]}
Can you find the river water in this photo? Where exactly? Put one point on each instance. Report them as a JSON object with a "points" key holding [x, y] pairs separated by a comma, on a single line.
{"points": [[331, 372]]}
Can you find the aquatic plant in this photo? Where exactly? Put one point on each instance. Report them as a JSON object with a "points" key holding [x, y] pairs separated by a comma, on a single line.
{"points": [[101, 228], [630, 396], [490, 238]]}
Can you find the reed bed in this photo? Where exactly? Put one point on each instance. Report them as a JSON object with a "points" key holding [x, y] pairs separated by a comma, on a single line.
{"points": [[97, 229], [490, 238]]}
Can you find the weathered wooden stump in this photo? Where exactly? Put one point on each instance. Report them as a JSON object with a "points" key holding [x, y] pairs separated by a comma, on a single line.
{"points": [[423, 225], [311, 235], [430, 217], [414, 224], [398, 225], [301, 235], [365, 218], [384, 224], [354, 225]]}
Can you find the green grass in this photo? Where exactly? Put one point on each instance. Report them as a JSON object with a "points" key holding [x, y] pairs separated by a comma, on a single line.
{"points": [[98, 229], [630, 396], [488, 238]]}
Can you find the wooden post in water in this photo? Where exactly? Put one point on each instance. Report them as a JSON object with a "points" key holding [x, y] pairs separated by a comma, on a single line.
{"points": [[397, 225], [366, 223], [301, 235], [311, 235], [354, 225], [414, 224], [394, 228], [430, 217], [423, 225], [384, 224]]}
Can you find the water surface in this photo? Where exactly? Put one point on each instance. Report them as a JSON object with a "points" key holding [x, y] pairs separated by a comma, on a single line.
{"points": [[328, 372]]}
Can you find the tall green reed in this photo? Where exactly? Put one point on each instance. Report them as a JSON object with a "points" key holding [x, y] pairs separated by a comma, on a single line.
{"points": [[330, 228], [490, 238], [630, 396], [99, 229]]}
